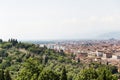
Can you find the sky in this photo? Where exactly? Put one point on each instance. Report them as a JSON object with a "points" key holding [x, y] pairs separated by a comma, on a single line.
{"points": [[58, 19]]}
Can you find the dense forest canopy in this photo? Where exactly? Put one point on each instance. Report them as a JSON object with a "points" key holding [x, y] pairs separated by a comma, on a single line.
{"points": [[27, 61]]}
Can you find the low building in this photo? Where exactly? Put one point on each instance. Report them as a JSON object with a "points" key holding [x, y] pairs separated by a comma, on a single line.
{"points": [[92, 54], [107, 55], [41, 45], [99, 53], [115, 56], [81, 55], [98, 59]]}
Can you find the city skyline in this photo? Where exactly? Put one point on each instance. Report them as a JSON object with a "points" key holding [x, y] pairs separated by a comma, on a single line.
{"points": [[58, 19]]}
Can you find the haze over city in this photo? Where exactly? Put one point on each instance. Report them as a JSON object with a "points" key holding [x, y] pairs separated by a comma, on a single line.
{"points": [[59, 39], [58, 19]]}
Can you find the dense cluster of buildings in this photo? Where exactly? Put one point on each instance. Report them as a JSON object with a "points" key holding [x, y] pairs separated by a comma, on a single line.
{"points": [[104, 51]]}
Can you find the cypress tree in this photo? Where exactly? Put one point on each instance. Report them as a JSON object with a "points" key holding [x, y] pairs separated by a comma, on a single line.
{"points": [[1, 40], [7, 75], [63, 74], [2, 75]]}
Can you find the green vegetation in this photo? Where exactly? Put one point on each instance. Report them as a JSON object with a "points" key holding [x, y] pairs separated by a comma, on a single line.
{"points": [[26, 61]]}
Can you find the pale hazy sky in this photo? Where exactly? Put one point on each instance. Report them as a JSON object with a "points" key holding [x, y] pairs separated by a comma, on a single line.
{"points": [[58, 19]]}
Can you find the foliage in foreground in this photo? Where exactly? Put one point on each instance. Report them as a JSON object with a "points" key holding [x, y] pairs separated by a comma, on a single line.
{"points": [[25, 61], [32, 71]]}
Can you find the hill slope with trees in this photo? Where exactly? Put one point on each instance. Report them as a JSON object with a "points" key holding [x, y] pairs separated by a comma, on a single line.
{"points": [[27, 61]]}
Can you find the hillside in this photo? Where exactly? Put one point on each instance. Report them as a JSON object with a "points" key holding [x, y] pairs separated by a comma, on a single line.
{"points": [[26, 61]]}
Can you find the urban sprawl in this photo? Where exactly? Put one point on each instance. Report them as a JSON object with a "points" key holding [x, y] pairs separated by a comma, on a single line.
{"points": [[87, 51]]}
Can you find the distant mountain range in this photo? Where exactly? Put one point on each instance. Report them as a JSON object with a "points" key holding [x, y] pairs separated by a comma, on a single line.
{"points": [[110, 35]]}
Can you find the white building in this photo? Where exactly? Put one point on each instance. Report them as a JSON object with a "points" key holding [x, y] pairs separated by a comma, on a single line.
{"points": [[115, 56], [99, 54], [41, 45], [91, 54]]}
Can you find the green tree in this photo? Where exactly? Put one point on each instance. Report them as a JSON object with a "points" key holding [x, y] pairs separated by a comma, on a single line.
{"points": [[3, 53], [87, 74], [63, 74], [6, 45], [5, 64], [45, 59], [1, 40], [2, 75], [62, 52], [101, 73], [13, 41], [105, 74], [48, 75], [30, 70], [7, 75]]}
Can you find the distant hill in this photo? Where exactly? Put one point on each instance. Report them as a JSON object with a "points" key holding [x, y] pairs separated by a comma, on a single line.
{"points": [[110, 35]]}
